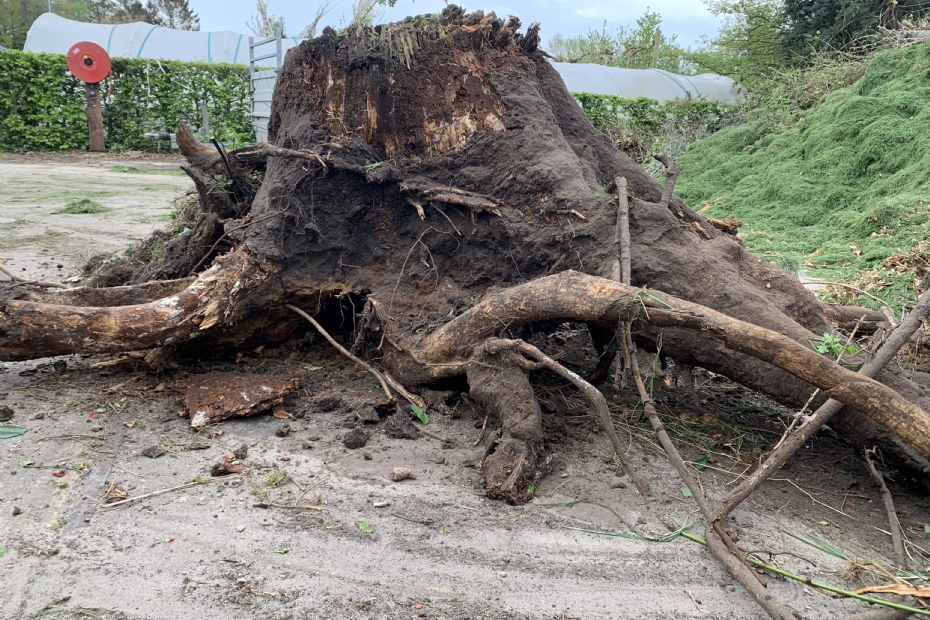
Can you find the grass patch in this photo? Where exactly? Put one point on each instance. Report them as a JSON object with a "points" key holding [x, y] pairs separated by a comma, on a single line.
{"points": [[841, 192], [83, 206], [276, 478]]}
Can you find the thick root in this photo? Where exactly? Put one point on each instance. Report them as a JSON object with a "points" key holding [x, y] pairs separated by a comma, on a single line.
{"points": [[504, 392], [575, 296]]}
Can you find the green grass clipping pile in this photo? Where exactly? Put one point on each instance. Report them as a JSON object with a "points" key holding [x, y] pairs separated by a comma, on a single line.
{"points": [[84, 206], [843, 193]]}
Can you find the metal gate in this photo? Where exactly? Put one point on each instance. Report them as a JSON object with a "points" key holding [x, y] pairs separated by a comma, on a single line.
{"points": [[262, 82]]}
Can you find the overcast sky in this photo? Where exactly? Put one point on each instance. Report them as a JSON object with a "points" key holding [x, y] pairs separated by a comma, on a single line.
{"points": [[688, 19]]}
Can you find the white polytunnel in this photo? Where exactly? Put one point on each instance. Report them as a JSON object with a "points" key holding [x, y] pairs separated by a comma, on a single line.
{"points": [[652, 83], [54, 34], [51, 33]]}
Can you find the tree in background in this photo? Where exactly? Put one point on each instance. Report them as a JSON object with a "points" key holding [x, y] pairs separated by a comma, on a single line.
{"points": [[264, 23], [166, 13], [631, 47], [748, 46], [175, 14], [322, 8], [16, 17], [812, 26], [118, 12]]}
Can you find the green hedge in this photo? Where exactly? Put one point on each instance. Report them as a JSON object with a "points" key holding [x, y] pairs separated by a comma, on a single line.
{"points": [[608, 111], [42, 107], [643, 127]]}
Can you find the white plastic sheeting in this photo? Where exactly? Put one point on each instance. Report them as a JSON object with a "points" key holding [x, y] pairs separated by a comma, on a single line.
{"points": [[51, 33], [54, 34], [652, 83]]}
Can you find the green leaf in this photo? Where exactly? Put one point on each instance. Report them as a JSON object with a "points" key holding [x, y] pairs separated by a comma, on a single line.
{"points": [[824, 523], [686, 492], [603, 195], [421, 415], [54, 526], [363, 525], [26, 463], [8, 430], [650, 295], [927, 528], [283, 550], [702, 462], [4, 550]]}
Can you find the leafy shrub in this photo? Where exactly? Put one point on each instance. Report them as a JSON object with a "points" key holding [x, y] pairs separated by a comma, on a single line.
{"points": [[643, 127], [43, 107]]}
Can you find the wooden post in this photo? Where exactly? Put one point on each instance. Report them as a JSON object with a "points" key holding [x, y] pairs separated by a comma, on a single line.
{"points": [[205, 116], [95, 117], [655, 48]]}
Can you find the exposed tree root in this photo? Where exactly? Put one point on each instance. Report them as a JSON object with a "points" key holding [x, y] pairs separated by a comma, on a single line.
{"points": [[590, 392], [515, 461], [825, 412]]}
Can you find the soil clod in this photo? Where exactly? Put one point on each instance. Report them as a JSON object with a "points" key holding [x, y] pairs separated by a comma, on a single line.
{"points": [[355, 438], [400, 427], [154, 451]]}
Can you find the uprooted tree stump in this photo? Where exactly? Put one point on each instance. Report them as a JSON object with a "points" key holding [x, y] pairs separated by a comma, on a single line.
{"points": [[434, 179]]}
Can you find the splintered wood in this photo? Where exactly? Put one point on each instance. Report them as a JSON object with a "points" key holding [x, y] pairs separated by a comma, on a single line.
{"points": [[215, 396]]}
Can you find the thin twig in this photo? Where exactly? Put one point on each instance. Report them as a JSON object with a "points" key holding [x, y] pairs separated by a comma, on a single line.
{"points": [[484, 426], [226, 234], [454, 227], [384, 379], [593, 395], [163, 491], [794, 421], [717, 540], [852, 288], [434, 435], [23, 280], [377, 374], [293, 507], [893, 521]]}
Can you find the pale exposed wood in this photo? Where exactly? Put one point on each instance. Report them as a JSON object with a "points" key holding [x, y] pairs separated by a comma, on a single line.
{"points": [[220, 295]]}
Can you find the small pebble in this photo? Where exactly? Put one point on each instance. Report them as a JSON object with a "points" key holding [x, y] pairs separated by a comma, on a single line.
{"points": [[240, 528], [17, 510]]}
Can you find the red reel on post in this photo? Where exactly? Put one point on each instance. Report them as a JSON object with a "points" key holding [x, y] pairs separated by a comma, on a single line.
{"points": [[88, 62]]}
